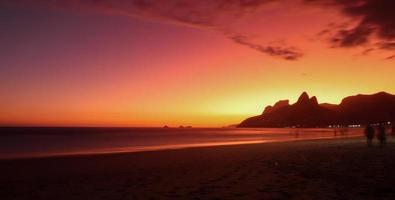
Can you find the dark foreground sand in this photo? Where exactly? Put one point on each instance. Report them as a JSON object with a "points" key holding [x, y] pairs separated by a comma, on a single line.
{"points": [[325, 169]]}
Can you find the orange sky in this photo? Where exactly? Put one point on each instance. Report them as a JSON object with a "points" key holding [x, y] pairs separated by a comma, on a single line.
{"points": [[77, 67]]}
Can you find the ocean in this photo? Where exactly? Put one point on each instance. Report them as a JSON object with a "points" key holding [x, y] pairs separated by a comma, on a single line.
{"points": [[43, 142]]}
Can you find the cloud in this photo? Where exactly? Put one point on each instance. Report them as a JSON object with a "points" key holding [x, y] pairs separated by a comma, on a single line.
{"points": [[387, 45], [375, 20], [215, 15], [367, 51], [390, 57], [287, 53], [352, 37]]}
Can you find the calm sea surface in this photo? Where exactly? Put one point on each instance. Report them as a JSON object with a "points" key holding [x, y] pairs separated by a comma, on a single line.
{"points": [[41, 142]]}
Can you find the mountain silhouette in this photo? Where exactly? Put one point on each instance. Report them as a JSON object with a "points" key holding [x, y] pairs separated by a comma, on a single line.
{"points": [[306, 112]]}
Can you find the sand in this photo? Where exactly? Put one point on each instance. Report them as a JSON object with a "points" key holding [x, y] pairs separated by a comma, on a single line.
{"points": [[320, 169]]}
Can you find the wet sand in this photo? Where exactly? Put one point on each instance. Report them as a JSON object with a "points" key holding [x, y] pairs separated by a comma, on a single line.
{"points": [[320, 169]]}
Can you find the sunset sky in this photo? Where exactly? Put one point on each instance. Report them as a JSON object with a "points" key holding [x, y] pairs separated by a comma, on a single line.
{"points": [[185, 62]]}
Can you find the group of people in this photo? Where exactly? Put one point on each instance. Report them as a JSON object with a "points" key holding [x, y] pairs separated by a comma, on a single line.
{"points": [[379, 131]]}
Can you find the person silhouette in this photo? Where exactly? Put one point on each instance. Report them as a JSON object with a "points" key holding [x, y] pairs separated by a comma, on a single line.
{"points": [[369, 133], [381, 134], [393, 128]]}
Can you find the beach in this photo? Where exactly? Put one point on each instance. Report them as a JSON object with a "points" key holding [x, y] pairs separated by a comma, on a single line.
{"points": [[312, 169]]}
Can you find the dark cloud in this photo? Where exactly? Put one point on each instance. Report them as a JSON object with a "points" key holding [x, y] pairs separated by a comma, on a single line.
{"points": [[371, 21], [215, 15], [288, 53], [390, 57], [387, 45], [352, 37], [375, 20], [367, 51]]}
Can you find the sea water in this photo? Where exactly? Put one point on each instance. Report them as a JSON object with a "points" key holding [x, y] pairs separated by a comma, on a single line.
{"points": [[41, 142]]}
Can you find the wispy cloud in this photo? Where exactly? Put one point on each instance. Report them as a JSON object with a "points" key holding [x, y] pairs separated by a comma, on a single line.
{"points": [[372, 20], [215, 15], [390, 57], [285, 52]]}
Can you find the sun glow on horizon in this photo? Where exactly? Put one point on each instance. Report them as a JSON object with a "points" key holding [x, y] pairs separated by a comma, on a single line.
{"points": [[85, 67]]}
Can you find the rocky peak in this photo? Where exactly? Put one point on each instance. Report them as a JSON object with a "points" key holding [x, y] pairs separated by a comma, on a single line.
{"points": [[313, 100], [267, 109], [306, 102], [304, 97], [277, 105]]}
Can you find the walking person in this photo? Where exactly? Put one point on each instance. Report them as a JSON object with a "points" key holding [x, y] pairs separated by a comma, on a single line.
{"points": [[381, 134], [393, 128], [369, 133]]}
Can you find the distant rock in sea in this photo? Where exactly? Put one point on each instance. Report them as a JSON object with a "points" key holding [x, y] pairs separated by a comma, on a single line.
{"points": [[307, 112]]}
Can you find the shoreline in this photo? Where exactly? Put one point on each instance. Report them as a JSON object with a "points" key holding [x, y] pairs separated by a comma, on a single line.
{"points": [[174, 147], [309, 169]]}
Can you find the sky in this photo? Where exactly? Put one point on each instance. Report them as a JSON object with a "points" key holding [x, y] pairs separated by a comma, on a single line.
{"points": [[204, 63]]}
